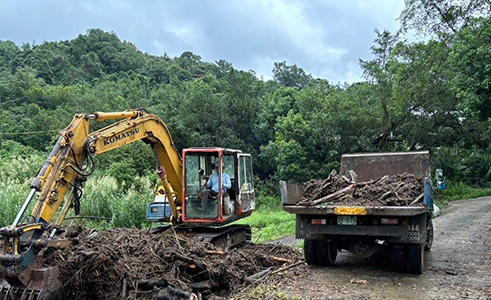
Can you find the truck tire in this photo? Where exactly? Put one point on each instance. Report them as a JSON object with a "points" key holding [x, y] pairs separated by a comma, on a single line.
{"points": [[415, 262], [326, 253], [398, 258], [310, 251], [429, 235]]}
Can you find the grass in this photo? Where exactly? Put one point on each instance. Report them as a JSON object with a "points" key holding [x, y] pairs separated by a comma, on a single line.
{"points": [[15, 178], [459, 191], [103, 197], [270, 225], [269, 221]]}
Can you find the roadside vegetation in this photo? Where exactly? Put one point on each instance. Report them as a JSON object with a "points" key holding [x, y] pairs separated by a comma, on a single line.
{"points": [[429, 95], [269, 221], [459, 191]]}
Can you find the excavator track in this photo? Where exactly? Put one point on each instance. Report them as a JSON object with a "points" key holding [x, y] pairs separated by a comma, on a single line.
{"points": [[226, 237], [223, 237]]}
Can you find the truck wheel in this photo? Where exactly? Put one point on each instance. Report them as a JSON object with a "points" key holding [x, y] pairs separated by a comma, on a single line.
{"points": [[310, 251], [429, 235], [326, 253], [398, 258], [416, 259]]}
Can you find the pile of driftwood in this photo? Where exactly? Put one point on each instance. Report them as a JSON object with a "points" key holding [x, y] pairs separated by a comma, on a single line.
{"points": [[390, 190], [134, 264]]}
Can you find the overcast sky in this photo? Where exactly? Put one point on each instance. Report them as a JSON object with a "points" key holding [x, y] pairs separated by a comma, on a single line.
{"points": [[326, 38]]}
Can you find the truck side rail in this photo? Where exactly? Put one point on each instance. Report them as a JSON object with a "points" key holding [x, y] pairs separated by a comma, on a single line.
{"points": [[355, 210]]}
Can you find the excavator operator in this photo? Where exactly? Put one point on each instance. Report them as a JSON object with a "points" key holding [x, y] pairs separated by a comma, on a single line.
{"points": [[213, 184]]}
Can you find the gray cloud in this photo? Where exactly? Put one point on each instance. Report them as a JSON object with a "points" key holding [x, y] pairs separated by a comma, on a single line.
{"points": [[326, 38]]}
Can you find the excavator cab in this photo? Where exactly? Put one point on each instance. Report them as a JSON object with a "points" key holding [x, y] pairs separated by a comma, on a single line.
{"points": [[200, 203]]}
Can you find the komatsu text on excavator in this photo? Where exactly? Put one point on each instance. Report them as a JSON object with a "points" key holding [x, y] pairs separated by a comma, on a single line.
{"points": [[182, 198]]}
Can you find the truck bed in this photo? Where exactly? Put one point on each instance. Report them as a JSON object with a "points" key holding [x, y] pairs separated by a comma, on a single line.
{"points": [[292, 193], [356, 210]]}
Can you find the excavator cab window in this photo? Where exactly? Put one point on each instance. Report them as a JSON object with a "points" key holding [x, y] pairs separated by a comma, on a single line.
{"points": [[230, 197], [246, 184], [197, 172], [200, 201]]}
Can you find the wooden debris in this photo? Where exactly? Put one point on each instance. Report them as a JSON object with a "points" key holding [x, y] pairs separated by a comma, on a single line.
{"points": [[360, 281], [281, 259], [335, 195], [287, 267], [419, 199], [132, 264], [258, 275], [394, 190], [215, 252]]}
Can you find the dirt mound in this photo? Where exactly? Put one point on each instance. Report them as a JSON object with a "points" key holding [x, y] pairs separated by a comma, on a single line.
{"points": [[133, 264], [394, 190]]}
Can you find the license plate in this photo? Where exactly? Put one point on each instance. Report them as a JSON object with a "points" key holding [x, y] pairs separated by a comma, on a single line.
{"points": [[346, 220]]}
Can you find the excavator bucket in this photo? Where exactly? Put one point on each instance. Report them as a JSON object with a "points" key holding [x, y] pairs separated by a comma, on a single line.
{"points": [[42, 284], [36, 282]]}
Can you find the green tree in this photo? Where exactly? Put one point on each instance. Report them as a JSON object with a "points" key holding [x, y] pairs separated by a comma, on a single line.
{"points": [[471, 60], [379, 72], [423, 84], [440, 17], [8, 52], [290, 75]]}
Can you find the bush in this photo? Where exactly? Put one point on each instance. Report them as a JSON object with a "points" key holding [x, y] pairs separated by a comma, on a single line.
{"points": [[10, 149], [470, 166], [458, 190], [268, 203]]}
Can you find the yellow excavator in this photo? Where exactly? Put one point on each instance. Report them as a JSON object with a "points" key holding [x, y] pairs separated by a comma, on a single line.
{"points": [[181, 201]]}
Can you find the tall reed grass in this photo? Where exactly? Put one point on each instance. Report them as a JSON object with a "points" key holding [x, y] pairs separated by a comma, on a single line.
{"points": [[123, 204]]}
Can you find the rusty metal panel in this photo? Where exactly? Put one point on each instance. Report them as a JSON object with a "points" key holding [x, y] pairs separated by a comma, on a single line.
{"points": [[291, 193], [368, 166]]}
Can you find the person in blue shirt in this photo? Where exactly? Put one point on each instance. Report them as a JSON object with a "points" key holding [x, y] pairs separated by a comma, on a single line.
{"points": [[213, 182], [213, 185]]}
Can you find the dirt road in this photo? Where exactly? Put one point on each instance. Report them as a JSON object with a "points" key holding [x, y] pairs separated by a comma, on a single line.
{"points": [[457, 267]]}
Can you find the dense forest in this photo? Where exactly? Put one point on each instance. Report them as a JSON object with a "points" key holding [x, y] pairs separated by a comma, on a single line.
{"points": [[434, 95]]}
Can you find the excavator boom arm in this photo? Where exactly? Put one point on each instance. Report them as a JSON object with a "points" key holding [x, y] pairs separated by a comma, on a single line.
{"points": [[67, 167]]}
